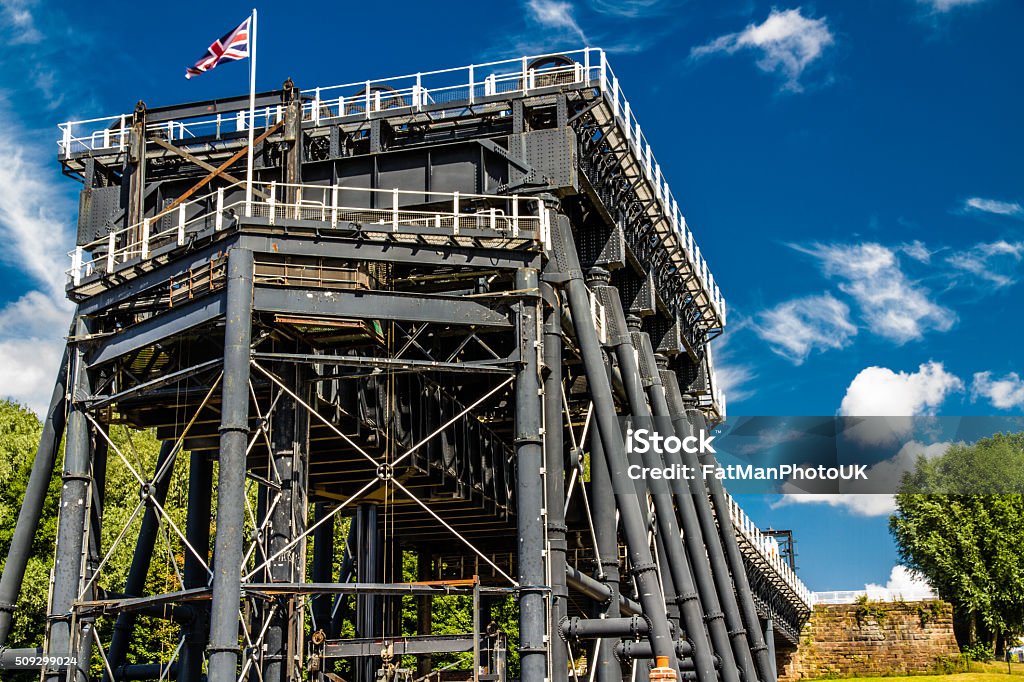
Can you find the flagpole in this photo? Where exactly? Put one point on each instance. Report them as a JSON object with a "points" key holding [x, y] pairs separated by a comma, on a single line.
{"points": [[252, 116]]}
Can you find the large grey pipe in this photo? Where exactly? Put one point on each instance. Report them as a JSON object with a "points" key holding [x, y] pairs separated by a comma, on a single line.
{"points": [[614, 603], [708, 529], [726, 531], [234, 430], [554, 466], [649, 591], [35, 497], [530, 487], [729, 638], [607, 540], [692, 598]]}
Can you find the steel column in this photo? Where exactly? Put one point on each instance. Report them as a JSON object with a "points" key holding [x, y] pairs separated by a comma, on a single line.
{"points": [[554, 466], [367, 570], [286, 453], [234, 429], [135, 585], [323, 564], [533, 650], [197, 532], [77, 476]]}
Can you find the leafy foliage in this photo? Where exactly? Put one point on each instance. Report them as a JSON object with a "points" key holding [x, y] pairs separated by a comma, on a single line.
{"points": [[960, 523]]}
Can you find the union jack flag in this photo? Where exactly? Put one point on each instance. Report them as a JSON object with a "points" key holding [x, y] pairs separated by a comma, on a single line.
{"points": [[231, 47]]}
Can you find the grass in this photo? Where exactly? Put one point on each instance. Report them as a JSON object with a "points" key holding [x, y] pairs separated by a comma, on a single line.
{"points": [[979, 672]]}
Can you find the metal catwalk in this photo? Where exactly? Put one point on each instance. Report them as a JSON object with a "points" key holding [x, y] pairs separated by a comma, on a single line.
{"points": [[400, 374]]}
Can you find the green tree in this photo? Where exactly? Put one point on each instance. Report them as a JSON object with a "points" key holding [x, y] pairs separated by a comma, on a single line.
{"points": [[960, 523], [19, 437]]}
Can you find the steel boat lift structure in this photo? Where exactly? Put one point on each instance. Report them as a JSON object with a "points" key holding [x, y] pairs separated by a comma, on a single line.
{"points": [[449, 295]]}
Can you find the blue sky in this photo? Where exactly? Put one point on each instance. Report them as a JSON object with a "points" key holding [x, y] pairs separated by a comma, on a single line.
{"points": [[851, 171]]}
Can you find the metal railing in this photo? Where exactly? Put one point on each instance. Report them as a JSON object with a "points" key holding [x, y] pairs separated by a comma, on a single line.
{"points": [[459, 87], [874, 594], [450, 212], [768, 548]]}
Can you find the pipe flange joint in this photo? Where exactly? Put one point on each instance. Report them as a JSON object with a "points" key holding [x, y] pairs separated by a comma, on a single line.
{"points": [[566, 628], [685, 597], [223, 649], [646, 567], [530, 439], [759, 647], [713, 615], [738, 632], [634, 625]]}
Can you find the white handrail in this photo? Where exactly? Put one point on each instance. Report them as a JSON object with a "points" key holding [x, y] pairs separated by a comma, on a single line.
{"points": [[766, 547], [458, 86], [314, 202]]}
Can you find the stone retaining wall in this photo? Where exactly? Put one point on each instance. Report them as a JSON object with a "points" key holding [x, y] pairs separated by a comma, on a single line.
{"points": [[873, 638]]}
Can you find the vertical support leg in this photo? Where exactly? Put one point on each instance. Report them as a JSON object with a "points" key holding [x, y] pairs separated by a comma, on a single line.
{"points": [[769, 639], [323, 564], [234, 429], [554, 467], [35, 496], [92, 554], [424, 607], [197, 531], [281, 569], [135, 585], [533, 649], [67, 569], [367, 571]]}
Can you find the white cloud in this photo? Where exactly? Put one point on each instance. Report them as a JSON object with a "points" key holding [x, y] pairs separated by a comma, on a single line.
{"points": [[994, 262], [629, 9], [1004, 393], [735, 380], [881, 392], [898, 397], [917, 250], [893, 306], [34, 217], [555, 14], [883, 475], [796, 328], [869, 504], [993, 206], [902, 583], [788, 43], [19, 24], [943, 6]]}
